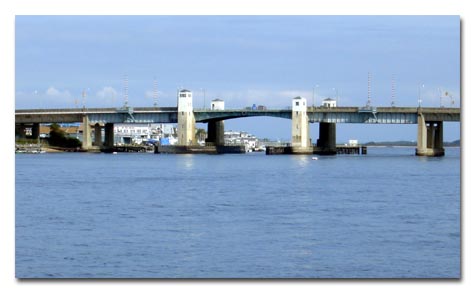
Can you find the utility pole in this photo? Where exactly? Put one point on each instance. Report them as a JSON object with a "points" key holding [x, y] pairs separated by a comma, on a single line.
{"points": [[368, 102]]}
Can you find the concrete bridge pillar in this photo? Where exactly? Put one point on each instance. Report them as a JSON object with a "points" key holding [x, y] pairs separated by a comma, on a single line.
{"points": [[300, 129], [430, 137], [186, 118], [20, 130], [86, 133], [97, 135], [215, 133], [326, 143], [109, 135], [35, 131]]}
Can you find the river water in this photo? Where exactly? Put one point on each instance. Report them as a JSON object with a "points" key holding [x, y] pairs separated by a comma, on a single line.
{"points": [[388, 214]]}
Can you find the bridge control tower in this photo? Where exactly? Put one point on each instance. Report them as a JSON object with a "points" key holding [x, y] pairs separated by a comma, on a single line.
{"points": [[186, 118], [300, 128]]}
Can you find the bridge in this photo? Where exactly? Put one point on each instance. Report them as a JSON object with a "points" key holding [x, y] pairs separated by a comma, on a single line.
{"points": [[429, 120]]}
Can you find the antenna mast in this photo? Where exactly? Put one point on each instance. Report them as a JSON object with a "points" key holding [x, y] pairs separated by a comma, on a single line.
{"points": [[126, 91], [393, 91], [155, 92], [368, 103], [84, 98]]}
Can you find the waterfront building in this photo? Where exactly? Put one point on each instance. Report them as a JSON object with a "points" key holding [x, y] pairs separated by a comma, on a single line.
{"points": [[249, 141], [127, 133]]}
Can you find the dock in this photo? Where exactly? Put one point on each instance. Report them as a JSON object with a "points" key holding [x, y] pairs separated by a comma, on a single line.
{"points": [[340, 150], [351, 150]]}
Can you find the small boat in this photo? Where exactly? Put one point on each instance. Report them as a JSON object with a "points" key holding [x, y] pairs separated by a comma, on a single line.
{"points": [[315, 158], [114, 153]]}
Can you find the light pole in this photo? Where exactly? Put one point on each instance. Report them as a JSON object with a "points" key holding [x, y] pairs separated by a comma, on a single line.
{"points": [[420, 101], [84, 93], [313, 96], [336, 96], [204, 98]]}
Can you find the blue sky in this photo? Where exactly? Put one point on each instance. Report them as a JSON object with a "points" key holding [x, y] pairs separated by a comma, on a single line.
{"points": [[243, 60]]}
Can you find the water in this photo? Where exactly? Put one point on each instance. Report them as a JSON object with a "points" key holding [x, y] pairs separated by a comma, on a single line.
{"points": [[389, 214]]}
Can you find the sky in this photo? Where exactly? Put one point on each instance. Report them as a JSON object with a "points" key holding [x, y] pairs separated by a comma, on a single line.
{"points": [[244, 60]]}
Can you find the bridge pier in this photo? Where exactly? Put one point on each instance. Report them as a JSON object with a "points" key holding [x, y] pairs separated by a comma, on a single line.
{"points": [[35, 131], [86, 133], [326, 143], [215, 133], [97, 135], [430, 137], [20, 130], [109, 135]]}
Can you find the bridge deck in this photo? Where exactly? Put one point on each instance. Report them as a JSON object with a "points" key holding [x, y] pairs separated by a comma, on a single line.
{"points": [[383, 115]]}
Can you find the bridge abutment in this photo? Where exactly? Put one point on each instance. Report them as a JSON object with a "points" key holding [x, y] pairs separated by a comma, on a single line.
{"points": [[430, 137]]}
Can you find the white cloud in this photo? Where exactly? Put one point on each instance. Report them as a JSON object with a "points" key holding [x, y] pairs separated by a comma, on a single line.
{"points": [[149, 94], [107, 92], [52, 91]]}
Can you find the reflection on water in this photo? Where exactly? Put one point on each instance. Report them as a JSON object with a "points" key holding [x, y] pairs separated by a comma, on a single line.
{"points": [[186, 161], [301, 160]]}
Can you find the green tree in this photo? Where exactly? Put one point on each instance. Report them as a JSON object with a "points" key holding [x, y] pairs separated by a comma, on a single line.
{"points": [[58, 137], [200, 134]]}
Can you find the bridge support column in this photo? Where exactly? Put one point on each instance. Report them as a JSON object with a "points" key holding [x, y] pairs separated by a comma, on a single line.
{"points": [[215, 133], [300, 130], [35, 131], [109, 135], [86, 133], [326, 143], [20, 130], [430, 137], [97, 135]]}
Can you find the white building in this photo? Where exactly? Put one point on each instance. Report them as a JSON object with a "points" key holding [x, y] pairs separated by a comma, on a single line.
{"points": [[353, 142], [136, 133], [329, 103], [217, 104], [250, 142]]}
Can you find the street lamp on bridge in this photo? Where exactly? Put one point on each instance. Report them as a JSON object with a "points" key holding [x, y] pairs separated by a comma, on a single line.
{"points": [[313, 96], [420, 100], [204, 98]]}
